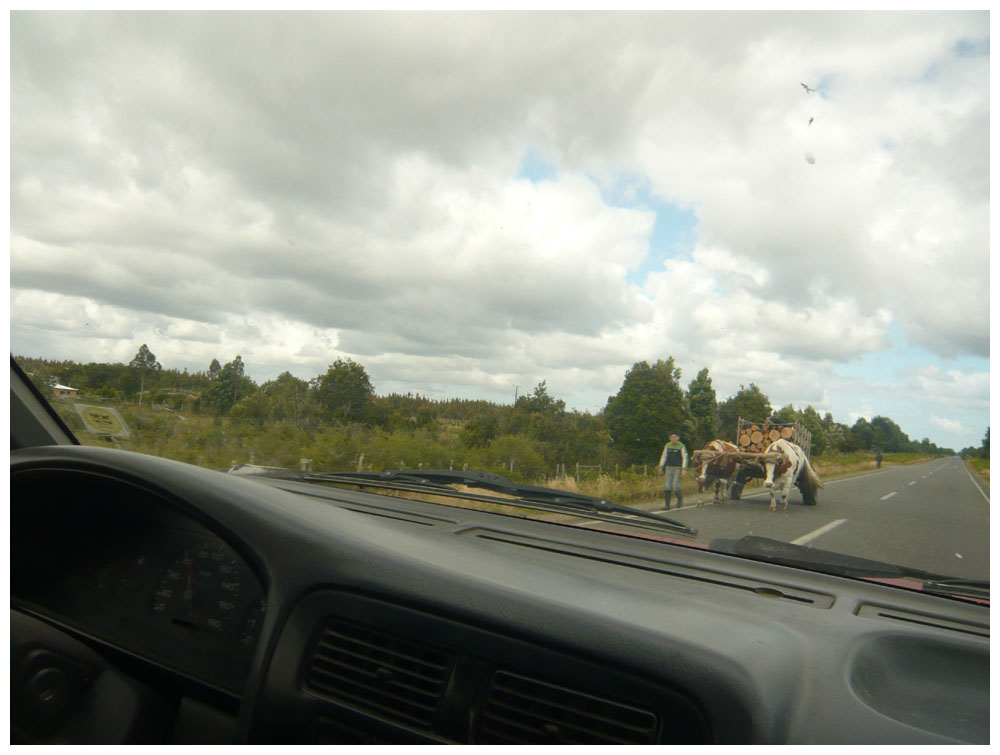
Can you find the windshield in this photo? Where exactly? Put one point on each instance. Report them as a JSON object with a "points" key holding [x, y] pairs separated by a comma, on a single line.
{"points": [[727, 268]]}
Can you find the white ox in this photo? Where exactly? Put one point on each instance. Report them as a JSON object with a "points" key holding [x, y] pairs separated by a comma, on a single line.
{"points": [[781, 476]]}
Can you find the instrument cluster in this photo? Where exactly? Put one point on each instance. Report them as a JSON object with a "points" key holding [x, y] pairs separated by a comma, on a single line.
{"points": [[173, 593]]}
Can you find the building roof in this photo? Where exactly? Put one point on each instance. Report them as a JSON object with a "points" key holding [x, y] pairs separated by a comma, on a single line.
{"points": [[58, 387]]}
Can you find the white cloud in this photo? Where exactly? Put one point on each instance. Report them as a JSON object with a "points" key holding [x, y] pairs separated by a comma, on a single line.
{"points": [[949, 426], [933, 386], [356, 192]]}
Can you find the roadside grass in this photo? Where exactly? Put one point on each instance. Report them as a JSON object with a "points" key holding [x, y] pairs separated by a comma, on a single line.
{"points": [[632, 489], [980, 468], [212, 442], [837, 466]]}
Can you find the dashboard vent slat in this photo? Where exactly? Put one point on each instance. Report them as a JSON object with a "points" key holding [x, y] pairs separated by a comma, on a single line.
{"points": [[519, 710], [886, 613], [377, 672]]}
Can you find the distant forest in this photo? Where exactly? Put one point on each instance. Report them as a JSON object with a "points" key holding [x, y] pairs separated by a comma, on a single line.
{"points": [[337, 420]]}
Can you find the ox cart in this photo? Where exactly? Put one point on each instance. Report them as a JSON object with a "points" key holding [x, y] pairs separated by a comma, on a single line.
{"points": [[752, 440]]}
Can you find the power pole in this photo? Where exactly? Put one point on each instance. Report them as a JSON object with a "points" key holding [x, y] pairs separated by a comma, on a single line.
{"points": [[515, 393]]}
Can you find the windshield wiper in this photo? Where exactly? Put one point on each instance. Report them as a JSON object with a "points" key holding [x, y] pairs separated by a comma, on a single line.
{"points": [[439, 482], [844, 565], [967, 588]]}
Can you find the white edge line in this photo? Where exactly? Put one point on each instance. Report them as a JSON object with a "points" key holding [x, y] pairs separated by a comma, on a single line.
{"points": [[816, 533], [974, 483], [890, 495]]}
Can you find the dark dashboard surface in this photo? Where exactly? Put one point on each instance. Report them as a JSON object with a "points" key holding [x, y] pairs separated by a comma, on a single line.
{"points": [[327, 615], [115, 560]]}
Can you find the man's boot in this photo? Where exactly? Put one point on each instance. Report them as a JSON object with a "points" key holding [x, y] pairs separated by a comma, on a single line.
{"points": [[680, 499], [666, 497]]}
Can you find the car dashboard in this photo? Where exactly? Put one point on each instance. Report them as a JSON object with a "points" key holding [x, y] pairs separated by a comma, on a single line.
{"points": [[153, 601]]}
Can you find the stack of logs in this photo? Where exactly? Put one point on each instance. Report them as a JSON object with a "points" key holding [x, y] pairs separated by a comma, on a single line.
{"points": [[755, 438]]}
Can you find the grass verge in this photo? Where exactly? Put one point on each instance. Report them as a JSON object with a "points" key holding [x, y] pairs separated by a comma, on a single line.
{"points": [[980, 468]]}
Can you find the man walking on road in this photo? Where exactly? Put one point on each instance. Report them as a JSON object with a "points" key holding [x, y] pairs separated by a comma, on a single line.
{"points": [[673, 461]]}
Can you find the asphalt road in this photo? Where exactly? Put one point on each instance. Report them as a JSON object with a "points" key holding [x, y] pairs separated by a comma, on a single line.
{"points": [[932, 516]]}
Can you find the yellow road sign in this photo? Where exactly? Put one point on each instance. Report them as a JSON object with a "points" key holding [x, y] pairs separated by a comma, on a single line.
{"points": [[102, 420]]}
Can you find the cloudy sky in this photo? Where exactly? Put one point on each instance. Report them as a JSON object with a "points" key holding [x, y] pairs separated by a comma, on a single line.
{"points": [[469, 204]]}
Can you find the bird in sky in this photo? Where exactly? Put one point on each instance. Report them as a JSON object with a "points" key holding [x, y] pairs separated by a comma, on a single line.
{"points": [[807, 88]]}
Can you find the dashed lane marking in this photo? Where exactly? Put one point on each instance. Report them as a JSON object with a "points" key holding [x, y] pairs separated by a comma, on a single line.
{"points": [[816, 533], [890, 495]]}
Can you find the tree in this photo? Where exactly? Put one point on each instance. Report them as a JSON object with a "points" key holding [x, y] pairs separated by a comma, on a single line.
{"points": [[228, 388], [479, 432], [703, 406], [540, 402], [862, 436], [288, 397], [344, 391], [984, 451], [812, 422], [748, 403], [144, 362], [647, 408], [887, 436], [787, 414]]}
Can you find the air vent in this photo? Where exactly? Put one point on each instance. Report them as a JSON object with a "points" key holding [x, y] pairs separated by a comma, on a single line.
{"points": [[376, 672], [519, 710]]}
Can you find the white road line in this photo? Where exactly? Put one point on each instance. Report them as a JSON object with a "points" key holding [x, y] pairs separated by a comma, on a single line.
{"points": [[816, 533], [914, 482], [890, 495], [976, 484]]}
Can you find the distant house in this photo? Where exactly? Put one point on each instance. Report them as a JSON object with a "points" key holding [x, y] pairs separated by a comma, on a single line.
{"points": [[63, 391]]}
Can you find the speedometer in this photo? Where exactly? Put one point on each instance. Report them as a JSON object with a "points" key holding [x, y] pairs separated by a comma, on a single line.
{"points": [[203, 590]]}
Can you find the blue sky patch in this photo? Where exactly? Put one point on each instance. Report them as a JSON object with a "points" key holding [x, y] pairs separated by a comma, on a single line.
{"points": [[673, 233], [535, 169], [898, 360], [673, 236], [892, 367], [967, 48]]}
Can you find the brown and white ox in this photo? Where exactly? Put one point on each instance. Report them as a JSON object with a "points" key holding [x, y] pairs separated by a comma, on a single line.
{"points": [[719, 467], [779, 477]]}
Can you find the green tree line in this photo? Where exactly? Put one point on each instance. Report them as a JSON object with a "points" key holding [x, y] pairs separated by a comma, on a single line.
{"points": [[337, 416]]}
